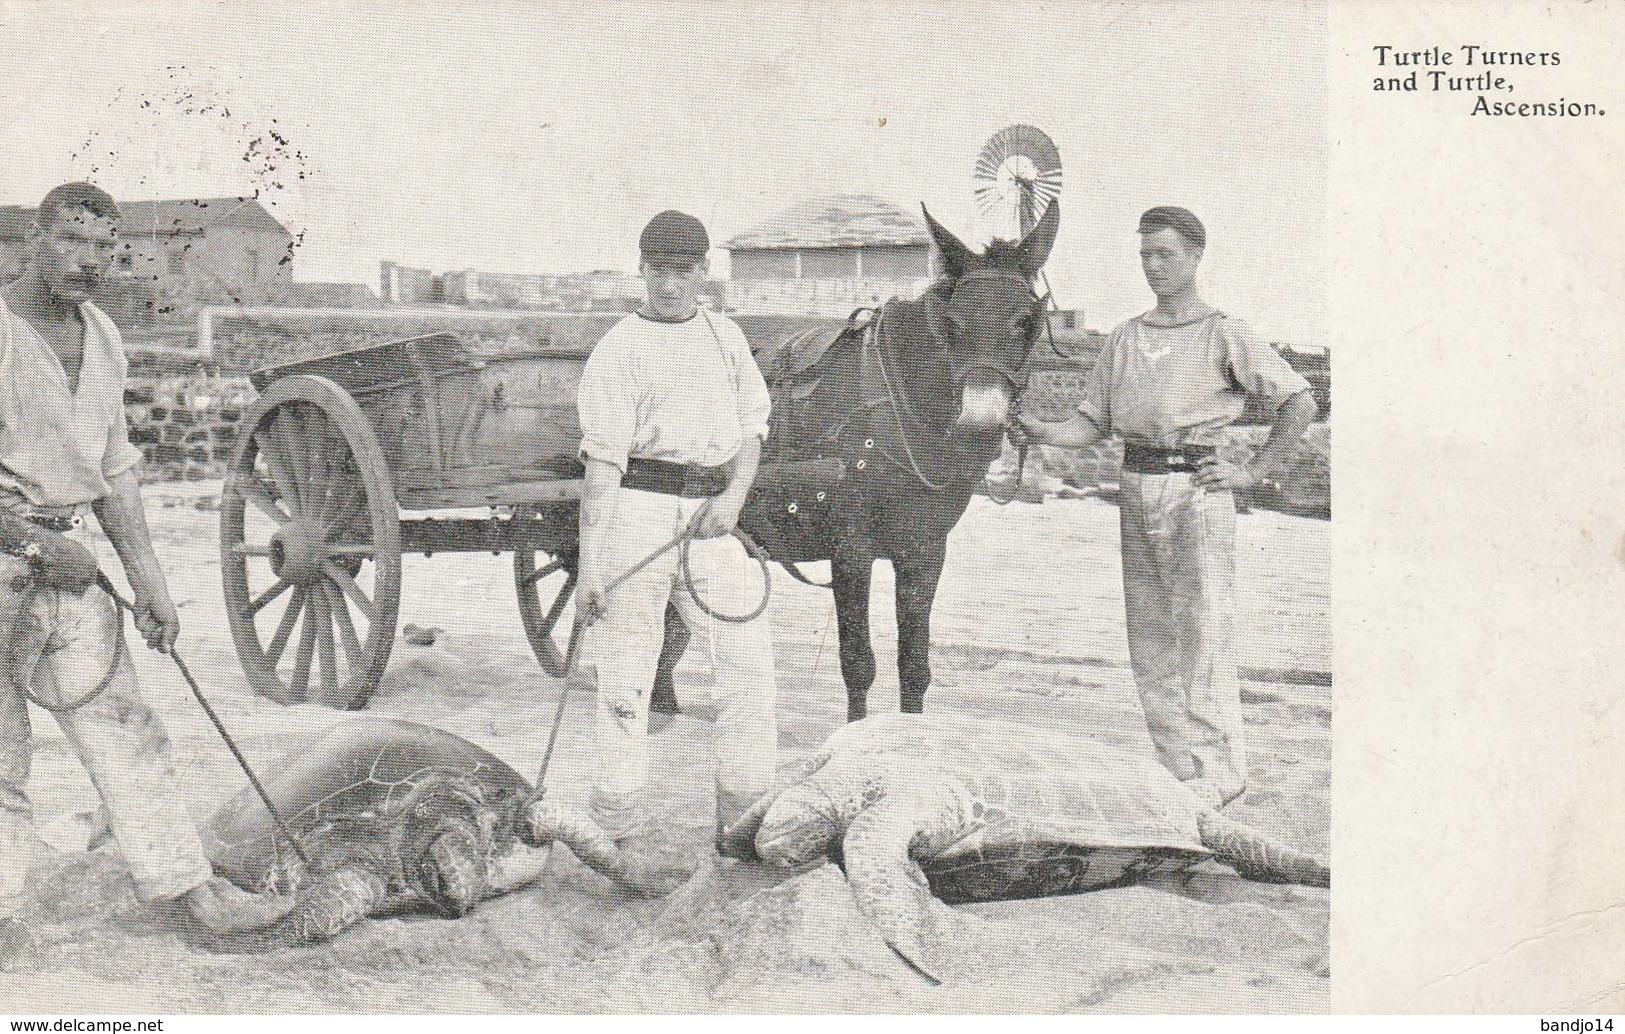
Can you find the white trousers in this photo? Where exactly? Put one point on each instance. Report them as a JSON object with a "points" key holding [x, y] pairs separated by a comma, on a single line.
{"points": [[65, 645], [1179, 590], [624, 647]]}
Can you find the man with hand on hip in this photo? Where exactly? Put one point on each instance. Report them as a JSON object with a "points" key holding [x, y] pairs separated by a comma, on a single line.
{"points": [[673, 415], [1168, 382]]}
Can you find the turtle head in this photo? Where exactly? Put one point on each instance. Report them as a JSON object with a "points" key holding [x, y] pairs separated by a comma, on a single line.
{"points": [[800, 826], [451, 871]]}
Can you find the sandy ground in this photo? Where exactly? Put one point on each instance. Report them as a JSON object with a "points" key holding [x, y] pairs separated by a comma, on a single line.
{"points": [[1028, 624]]}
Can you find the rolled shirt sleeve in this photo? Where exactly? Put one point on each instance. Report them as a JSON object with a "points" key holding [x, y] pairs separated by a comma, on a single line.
{"points": [[121, 456], [606, 402], [1097, 394], [750, 389], [1259, 370]]}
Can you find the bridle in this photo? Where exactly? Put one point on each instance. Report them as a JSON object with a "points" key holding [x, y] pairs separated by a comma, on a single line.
{"points": [[1016, 378]]}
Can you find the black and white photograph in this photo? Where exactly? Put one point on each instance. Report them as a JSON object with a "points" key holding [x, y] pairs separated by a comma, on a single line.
{"points": [[658, 508]]}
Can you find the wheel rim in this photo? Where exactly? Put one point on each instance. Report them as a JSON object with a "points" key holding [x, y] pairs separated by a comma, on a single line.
{"points": [[544, 584], [310, 547]]}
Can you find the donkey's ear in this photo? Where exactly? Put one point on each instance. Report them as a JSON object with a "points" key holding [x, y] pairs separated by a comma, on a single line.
{"points": [[955, 256], [1035, 247]]}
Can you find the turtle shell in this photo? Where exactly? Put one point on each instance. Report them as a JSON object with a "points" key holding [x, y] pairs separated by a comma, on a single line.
{"points": [[1020, 786], [348, 793]]}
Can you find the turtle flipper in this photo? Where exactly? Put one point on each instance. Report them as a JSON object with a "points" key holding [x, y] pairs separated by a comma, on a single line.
{"points": [[336, 901], [546, 822], [891, 889], [1260, 857], [740, 839], [453, 872]]}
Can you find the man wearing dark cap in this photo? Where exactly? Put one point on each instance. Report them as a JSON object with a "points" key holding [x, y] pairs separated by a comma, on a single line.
{"points": [[673, 415], [1168, 382]]}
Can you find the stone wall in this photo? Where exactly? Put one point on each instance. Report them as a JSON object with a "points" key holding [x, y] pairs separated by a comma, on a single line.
{"points": [[185, 425]]}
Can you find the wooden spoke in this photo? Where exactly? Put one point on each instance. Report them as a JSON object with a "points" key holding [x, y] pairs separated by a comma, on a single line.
{"points": [[313, 428], [540, 573], [310, 467], [281, 473], [254, 490], [349, 549], [307, 652], [327, 653], [559, 601], [284, 629], [342, 578], [341, 616], [350, 508], [287, 436], [259, 602]]}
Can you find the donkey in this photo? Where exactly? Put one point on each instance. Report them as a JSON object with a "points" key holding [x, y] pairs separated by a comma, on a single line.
{"points": [[912, 404]]}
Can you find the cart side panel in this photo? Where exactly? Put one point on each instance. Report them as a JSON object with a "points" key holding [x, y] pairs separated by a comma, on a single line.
{"points": [[486, 432]]}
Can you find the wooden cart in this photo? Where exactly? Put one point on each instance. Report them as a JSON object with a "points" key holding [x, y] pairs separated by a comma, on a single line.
{"points": [[337, 450]]}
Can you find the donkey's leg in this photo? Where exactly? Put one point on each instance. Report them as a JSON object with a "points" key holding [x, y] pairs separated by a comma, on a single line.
{"points": [[917, 576], [663, 699], [850, 576]]}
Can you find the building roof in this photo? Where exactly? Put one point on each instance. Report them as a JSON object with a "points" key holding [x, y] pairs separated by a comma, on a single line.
{"points": [[164, 218], [843, 221]]}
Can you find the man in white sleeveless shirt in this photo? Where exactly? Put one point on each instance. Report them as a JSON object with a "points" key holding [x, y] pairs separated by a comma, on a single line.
{"points": [[1168, 382], [673, 414], [64, 451]]}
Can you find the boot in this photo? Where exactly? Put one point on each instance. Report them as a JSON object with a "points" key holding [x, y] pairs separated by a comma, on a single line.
{"points": [[224, 907]]}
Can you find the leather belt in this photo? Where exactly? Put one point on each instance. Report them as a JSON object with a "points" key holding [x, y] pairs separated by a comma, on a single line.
{"points": [[1142, 458], [688, 480], [51, 518]]}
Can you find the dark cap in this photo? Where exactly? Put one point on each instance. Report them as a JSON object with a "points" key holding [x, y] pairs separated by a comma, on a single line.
{"points": [[674, 236], [1179, 220]]}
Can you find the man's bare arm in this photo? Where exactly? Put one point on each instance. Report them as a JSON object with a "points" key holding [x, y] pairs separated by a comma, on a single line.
{"points": [[1291, 421], [721, 514], [600, 487], [1079, 432], [123, 517]]}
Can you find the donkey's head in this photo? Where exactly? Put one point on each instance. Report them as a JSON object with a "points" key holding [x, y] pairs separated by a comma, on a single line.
{"points": [[991, 316]]}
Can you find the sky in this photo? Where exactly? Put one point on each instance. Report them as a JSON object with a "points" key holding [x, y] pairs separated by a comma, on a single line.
{"points": [[539, 138]]}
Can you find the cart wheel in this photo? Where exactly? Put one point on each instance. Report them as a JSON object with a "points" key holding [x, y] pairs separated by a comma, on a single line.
{"points": [[552, 580], [310, 541]]}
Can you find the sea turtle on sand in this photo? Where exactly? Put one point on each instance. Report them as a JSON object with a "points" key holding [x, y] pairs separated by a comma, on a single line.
{"points": [[969, 809], [393, 815]]}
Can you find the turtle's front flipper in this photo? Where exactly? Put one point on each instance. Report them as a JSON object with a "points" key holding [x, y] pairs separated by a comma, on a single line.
{"points": [[223, 907], [546, 821], [1259, 857], [739, 839], [453, 871], [336, 901], [891, 889]]}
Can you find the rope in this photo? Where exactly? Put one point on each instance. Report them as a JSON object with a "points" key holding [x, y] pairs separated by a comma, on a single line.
{"points": [[572, 652], [197, 691], [25, 685]]}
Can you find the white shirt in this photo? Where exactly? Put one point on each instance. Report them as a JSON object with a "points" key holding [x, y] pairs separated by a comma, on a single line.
{"points": [[60, 447], [684, 392]]}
